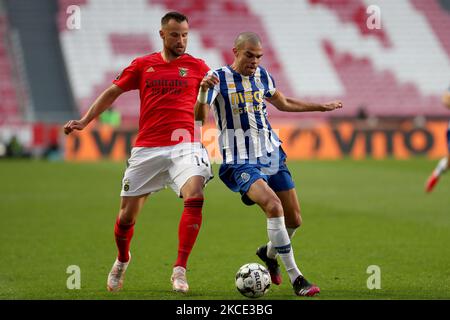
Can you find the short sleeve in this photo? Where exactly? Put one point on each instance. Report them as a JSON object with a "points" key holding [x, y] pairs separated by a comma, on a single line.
{"points": [[271, 88], [214, 91], [203, 67], [128, 79]]}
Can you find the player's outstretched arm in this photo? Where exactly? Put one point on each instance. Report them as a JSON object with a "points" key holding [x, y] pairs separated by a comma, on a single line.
{"points": [[283, 103], [201, 106], [446, 99], [103, 102]]}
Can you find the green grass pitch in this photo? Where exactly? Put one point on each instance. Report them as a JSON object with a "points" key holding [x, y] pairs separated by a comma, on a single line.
{"points": [[356, 214]]}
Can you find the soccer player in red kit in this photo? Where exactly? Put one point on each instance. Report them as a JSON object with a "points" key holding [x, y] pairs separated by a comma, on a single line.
{"points": [[165, 152], [444, 164]]}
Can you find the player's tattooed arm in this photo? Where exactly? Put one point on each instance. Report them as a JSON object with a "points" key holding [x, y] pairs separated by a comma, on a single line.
{"points": [[283, 103], [201, 106], [103, 102]]}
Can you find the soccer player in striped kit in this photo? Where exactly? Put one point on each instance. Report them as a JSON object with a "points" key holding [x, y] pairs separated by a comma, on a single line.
{"points": [[444, 163], [253, 160], [166, 152]]}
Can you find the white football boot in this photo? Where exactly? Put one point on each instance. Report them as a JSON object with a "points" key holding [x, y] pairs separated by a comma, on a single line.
{"points": [[117, 274], [179, 281]]}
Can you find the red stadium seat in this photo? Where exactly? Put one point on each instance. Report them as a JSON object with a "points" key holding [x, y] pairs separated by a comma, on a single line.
{"points": [[382, 91], [9, 110]]}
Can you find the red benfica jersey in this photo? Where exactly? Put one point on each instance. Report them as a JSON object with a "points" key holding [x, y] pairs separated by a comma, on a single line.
{"points": [[168, 91]]}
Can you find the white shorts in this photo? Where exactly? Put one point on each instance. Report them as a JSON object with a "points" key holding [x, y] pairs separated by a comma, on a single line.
{"points": [[152, 169]]}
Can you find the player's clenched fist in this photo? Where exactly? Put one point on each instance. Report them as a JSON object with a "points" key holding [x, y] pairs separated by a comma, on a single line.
{"points": [[73, 125], [208, 81]]}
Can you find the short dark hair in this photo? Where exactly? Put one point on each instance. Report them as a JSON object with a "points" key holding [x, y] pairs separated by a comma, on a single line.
{"points": [[244, 37], [178, 17]]}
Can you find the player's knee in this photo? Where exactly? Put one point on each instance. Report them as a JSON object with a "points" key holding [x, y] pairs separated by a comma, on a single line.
{"points": [[126, 218], [128, 212], [192, 191], [193, 194], [273, 208], [193, 188]]}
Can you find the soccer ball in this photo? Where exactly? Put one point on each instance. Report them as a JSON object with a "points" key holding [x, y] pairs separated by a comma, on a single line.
{"points": [[252, 280]]}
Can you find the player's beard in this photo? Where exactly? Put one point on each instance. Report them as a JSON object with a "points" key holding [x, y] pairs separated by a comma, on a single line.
{"points": [[177, 53]]}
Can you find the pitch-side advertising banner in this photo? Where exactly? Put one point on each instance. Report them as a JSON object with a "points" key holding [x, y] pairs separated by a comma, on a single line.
{"points": [[317, 140]]}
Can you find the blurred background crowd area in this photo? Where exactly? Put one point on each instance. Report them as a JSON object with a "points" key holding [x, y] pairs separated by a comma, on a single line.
{"points": [[388, 61]]}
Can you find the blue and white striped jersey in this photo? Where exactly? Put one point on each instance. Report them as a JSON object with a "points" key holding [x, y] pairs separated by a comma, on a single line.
{"points": [[240, 113]]}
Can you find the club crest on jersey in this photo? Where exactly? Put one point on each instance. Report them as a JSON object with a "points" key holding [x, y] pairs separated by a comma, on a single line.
{"points": [[245, 176], [183, 72], [126, 185]]}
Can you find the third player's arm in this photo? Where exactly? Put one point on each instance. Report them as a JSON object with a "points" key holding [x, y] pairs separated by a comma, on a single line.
{"points": [[283, 103], [103, 102]]}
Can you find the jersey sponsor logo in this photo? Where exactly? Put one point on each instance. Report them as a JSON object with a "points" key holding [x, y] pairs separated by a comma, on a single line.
{"points": [[246, 109], [248, 96], [183, 72], [171, 83], [166, 86]]}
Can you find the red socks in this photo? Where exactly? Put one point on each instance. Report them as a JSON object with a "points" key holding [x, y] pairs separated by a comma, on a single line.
{"points": [[123, 234], [190, 223]]}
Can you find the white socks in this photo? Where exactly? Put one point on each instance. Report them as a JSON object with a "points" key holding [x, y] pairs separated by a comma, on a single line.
{"points": [[441, 166], [271, 251], [279, 238]]}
